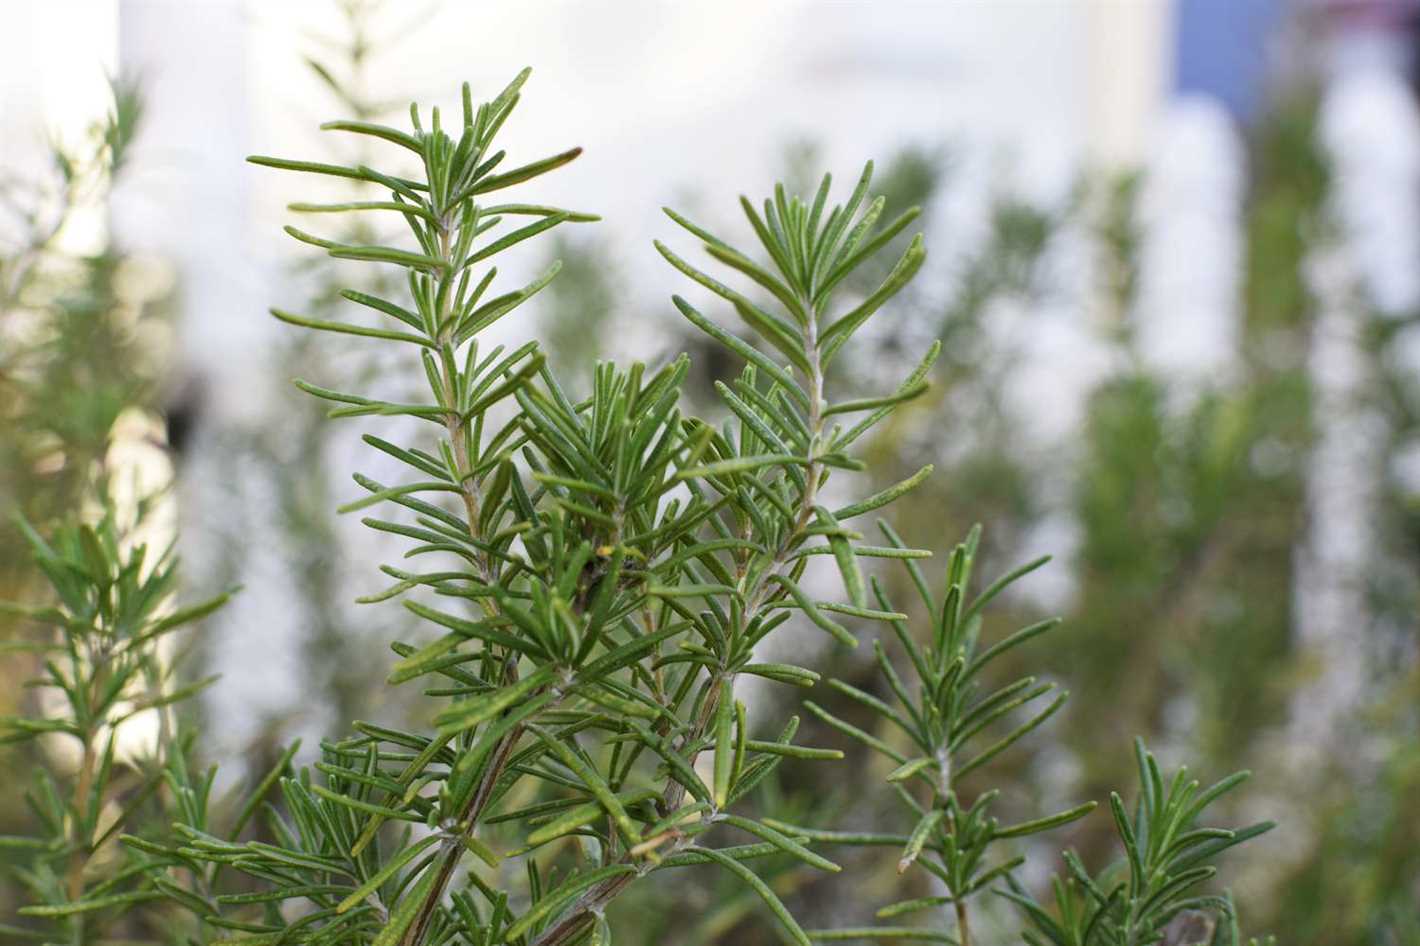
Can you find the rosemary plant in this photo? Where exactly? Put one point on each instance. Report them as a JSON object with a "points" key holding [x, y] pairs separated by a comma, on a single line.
{"points": [[948, 716], [619, 562], [1167, 855], [106, 657], [955, 724], [604, 571]]}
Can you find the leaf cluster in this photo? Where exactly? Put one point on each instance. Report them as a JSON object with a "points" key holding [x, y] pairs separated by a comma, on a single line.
{"points": [[107, 659], [606, 570], [955, 723], [1168, 854]]}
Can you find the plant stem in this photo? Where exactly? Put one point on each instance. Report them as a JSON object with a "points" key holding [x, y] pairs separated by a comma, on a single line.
{"points": [[452, 850], [79, 855]]}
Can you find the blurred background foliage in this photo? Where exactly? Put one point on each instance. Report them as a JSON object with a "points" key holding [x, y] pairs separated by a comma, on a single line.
{"points": [[1184, 507]]}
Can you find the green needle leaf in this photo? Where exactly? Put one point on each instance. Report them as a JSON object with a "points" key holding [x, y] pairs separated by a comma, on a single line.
{"points": [[346, 329], [776, 906], [392, 867], [472, 712], [409, 906], [1045, 824], [918, 838], [595, 784], [724, 742], [554, 901], [814, 614]]}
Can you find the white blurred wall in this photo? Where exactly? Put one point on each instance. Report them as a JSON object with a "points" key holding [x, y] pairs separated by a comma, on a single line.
{"points": [[54, 57]]}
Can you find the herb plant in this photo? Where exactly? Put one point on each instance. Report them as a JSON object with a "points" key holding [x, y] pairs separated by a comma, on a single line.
{"points": [[1153, 896], [956, 724], [603, 572], [106, 655], [621, 562]]}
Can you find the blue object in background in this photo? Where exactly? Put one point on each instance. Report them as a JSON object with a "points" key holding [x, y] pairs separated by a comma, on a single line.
{"points": [[1220, 50]]}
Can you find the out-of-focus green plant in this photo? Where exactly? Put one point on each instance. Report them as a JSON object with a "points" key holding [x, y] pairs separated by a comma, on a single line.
{"points": [[1189, 507], [39, 210], [81, 347], [74, 349], [103, 748], [576, 317], [1358, 879]]}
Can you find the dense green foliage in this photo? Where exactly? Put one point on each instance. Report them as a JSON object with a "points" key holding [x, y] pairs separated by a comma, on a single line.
{"points": [[105, 657], [605, 571]]}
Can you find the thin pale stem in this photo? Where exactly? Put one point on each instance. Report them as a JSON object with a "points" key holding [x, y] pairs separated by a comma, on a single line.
{"points": [[79, 854], [467, 820]]}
